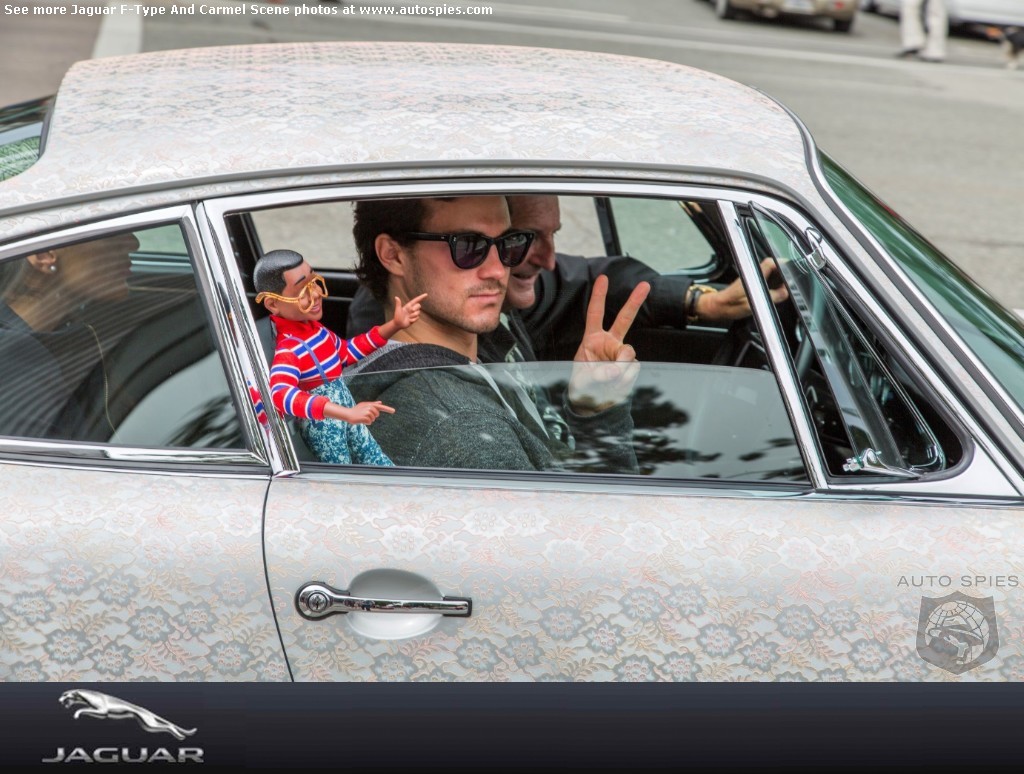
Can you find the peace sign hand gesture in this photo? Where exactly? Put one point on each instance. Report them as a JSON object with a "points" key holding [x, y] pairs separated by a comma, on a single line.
{"points": [[605, 369]]}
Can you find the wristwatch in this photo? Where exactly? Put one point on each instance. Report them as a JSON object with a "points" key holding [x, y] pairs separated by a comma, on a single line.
{"points": [[690, 302]]}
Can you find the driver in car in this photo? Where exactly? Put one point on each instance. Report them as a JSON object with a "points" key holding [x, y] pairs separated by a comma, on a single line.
{"points": [[547, 296], [548, 293]]}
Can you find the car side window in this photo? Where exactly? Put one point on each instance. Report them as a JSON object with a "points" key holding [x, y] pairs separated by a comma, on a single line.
{"points": [[321, 230], [686, 416], [107, 341], [869, 415], [672, 236]]}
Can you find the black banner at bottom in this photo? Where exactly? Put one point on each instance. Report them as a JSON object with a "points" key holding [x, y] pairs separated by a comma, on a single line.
{"points": [[497, 725]]}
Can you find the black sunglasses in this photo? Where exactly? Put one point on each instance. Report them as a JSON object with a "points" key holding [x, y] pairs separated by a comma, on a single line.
{"points": [[470, 250]]}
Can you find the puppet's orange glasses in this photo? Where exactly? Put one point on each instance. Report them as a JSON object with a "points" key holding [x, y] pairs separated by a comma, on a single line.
{"points": [[306, 299]]}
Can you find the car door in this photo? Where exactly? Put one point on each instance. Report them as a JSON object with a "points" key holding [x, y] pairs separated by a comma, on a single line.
{"points": [[133, 476], [733, 551]]}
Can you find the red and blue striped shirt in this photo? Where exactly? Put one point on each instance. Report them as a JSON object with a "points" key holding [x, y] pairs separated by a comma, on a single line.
{"points": [[294, 371]]}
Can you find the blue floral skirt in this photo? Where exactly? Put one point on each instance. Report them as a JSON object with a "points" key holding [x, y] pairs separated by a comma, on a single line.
{"points": [[333, 440]]}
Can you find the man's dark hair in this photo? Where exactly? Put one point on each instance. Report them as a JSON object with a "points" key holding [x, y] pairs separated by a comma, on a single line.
{"points": [[373, 217], [268, 276]]}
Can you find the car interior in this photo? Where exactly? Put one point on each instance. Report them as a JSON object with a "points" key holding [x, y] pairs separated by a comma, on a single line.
{"points": [[688, 237], [706, 403]]}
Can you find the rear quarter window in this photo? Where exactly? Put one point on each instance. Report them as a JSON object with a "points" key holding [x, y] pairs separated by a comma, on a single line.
{"points": [[21, 131]]}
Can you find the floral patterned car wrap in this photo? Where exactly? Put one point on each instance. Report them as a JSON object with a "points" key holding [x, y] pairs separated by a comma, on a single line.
{"points": [[708, 588], [119, 586], [225, 115]]}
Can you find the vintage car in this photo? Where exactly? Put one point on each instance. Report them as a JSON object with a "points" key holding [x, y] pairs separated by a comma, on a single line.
{"points": [[841, 13], [829, 489]]}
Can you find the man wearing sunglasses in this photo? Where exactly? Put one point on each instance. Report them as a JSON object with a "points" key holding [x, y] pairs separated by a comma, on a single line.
{"points": [[548, 293], [459, 253]]}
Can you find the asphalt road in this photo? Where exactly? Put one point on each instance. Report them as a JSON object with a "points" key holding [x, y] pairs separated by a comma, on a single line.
{"points": [[35, 52], [940, 143]]}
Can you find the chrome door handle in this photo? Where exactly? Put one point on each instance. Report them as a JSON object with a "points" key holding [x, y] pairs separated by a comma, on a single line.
{"points": [[318, 600]]}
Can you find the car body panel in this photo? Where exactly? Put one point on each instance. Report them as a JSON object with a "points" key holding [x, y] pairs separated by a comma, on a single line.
{"points": [[964, 12], [152, 575], [985, 12], [634, 585]]}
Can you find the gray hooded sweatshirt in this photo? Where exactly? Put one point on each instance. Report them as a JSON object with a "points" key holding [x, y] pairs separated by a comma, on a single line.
{"points": [[456, 417]]}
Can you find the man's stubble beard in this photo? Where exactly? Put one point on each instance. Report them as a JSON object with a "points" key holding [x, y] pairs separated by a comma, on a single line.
{"points": [[440, 308]]}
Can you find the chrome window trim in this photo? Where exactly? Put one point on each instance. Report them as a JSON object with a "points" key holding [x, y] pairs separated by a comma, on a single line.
{"points": [[727, 197], [35, 452], [221, 291], [245, 349], [600, 185], [1010, 410], [113, 455], [284, 459], [977, 470], [775, 347]]}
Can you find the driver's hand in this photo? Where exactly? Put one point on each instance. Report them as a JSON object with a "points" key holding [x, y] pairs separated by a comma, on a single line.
{"points": [[731, 302]]}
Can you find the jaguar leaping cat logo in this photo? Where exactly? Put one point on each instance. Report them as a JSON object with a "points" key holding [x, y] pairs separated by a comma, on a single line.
{"points": [[101, 705]]}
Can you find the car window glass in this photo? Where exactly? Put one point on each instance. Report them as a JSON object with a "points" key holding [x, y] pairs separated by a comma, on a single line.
{"points": [[672, 236], [21, 129], [107, 341], [860, 400], [581, 232], [690, 415], [321, 231], [681, 422]]}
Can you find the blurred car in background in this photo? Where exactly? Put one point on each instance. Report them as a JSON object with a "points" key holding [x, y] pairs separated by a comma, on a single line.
{"points": [[884, 7], [976, 15], [841, 12], [965, 15]]}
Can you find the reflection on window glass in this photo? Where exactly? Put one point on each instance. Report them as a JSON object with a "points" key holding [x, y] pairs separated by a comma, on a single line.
{"points": [[104, 343], [678, 422]]}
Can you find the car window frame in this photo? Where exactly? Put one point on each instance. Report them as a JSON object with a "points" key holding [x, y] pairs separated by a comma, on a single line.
{"points": [[252, 456], [973, 475], [726, 198], [217, 213]]}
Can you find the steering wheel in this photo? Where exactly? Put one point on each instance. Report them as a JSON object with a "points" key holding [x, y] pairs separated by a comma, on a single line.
{"points": [[743, 334], [740, 336]]}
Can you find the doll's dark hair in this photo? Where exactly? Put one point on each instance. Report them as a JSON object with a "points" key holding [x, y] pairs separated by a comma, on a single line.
{"points": [[268, 276]]}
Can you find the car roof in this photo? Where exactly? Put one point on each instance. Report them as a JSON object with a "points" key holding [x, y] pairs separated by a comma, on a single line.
{"points": [[224, 115]]}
